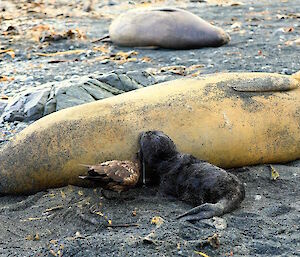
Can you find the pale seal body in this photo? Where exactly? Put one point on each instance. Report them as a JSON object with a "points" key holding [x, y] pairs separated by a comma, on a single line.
{"points": [[166, 28], [227, 119]]}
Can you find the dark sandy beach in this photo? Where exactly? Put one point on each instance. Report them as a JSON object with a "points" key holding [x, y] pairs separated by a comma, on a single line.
{"points": [[74, 221]]}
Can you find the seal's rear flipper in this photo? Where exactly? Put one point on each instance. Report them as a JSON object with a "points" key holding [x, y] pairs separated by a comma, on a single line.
{"points": [[209, 210], [204, 211]]}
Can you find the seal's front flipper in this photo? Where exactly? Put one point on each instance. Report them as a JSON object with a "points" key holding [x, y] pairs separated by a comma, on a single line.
{"points": [[266, 83], [105, 38], [204, 211]]}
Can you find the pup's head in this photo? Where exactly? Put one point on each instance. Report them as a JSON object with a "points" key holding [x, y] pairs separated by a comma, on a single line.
{"points": [[155, 146]]}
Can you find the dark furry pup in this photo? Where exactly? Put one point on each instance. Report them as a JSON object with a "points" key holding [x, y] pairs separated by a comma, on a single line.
{"points": [[213, 190]]}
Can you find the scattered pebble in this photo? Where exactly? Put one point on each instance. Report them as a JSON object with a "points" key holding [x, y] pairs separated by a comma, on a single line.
{"points": [[257, 197]]}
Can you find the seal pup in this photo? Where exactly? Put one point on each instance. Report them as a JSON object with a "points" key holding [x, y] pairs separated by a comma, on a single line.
{"points": [[165, 27], [213, 190]]}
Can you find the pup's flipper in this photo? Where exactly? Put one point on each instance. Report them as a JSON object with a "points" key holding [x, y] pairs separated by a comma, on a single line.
{"points": [[204, 211], [209, 210], [228, 203]]}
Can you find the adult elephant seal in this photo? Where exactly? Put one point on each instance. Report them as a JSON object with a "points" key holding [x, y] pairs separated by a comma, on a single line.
{"points": [[229, 120], [213, 190], [166, 28]]}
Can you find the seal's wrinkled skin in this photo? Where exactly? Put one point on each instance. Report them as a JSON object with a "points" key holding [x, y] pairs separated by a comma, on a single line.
{"points": [[213, 190]]}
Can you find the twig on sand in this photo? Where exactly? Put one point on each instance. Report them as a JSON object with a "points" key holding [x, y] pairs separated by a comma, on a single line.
{"points": [[213, 241], [55, 208], [126, 225], [69, 52]]}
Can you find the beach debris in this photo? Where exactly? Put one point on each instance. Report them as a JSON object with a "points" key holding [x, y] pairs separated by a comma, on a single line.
{"points": [[11, 31], [124, 55], [158, 221], [47, 33], [125, 225], [121, 57], [78, 235], [9, 52], [55, 208], [257, 197], [69, 34], [150, 238], [212, 241], [5, 78], [201, 253], [177, 70], [35, 237], [32, 219], [294, 42], [69, 52], [274, 174], [3, 97], [63, 194], [94, 209], [236, 26]]}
